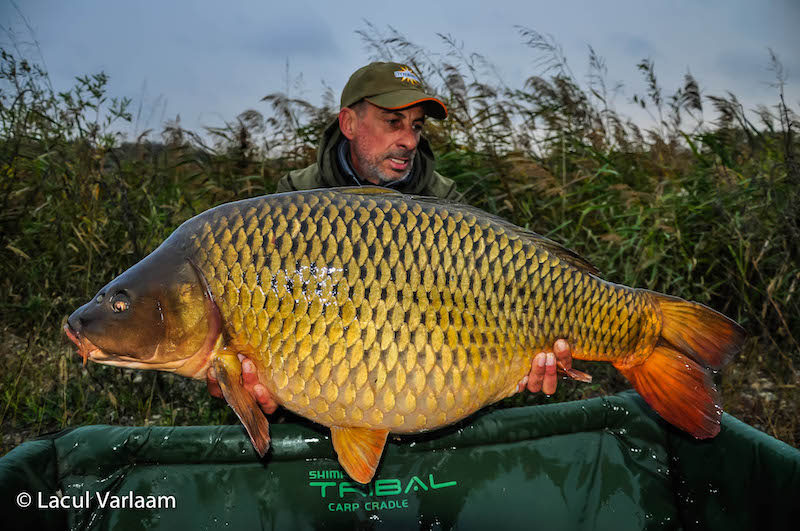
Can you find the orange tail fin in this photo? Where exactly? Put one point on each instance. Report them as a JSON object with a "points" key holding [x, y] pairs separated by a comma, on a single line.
{"points": [[676, 378]]}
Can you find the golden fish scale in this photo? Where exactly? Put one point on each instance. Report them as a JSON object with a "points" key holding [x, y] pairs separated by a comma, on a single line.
{"points": [[384, 312]]}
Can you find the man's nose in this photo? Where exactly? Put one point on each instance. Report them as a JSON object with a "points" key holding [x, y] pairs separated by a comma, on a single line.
{"points": [[409, 139]]}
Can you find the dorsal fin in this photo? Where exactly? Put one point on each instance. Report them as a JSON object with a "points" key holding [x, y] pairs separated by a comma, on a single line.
{"points": [[366, 190], [568, 255]]}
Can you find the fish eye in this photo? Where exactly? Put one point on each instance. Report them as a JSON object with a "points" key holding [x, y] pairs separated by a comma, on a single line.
{"points": [[120, 302]]}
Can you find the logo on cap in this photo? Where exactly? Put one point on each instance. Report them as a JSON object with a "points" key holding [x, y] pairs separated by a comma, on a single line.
{"points": [[407, 75]]}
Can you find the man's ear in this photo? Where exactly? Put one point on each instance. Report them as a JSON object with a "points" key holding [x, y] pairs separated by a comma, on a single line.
{"points": [[347, 122]]}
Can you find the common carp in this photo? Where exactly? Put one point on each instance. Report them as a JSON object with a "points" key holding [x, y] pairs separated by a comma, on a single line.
{"points": [[373, 312]]}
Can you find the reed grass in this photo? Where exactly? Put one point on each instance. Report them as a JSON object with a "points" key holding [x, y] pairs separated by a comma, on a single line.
{"points": [[702, 208]]}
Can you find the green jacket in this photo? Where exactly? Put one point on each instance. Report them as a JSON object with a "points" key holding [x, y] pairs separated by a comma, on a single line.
{"points": [[326, 172]]}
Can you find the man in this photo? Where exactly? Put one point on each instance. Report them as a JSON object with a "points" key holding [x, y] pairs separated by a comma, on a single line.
{"points": [[377, 140]]}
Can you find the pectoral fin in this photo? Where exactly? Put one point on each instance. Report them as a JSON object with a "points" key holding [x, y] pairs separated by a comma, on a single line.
{"points": [[229, 375], [359, 450]]}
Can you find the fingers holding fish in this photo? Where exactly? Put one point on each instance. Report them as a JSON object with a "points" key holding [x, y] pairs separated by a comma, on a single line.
{"points": [[250, 383], [543, 373], [523, 384], [212, 384], [255, 388], [549, 381], [563, 354]]}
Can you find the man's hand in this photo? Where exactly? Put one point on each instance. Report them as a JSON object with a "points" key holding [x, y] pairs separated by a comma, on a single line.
{"points": [[251, 385], [544, 367]]}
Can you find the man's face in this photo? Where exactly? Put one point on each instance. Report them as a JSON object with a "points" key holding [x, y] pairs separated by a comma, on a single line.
{"points": [[383, 142]]}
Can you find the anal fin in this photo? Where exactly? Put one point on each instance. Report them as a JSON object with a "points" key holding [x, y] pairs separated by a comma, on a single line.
{"points": [[359, 450], [229, 373]]}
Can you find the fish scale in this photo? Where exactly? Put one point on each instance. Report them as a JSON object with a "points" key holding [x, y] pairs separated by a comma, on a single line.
{"points": [[367, 311]]}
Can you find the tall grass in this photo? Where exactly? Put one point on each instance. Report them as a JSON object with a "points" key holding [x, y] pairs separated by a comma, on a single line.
{"points": [[703, 207]]}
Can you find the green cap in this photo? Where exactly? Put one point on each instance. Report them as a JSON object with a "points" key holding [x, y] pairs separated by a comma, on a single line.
{"points": [[390, 86]]}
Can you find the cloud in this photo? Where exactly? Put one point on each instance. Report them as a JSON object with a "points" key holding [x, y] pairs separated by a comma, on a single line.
{"points": [[636, 46], [309, 36], [738, 64], [212, 61]]}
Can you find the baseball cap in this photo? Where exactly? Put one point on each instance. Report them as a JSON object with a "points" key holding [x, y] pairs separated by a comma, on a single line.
{"points": [[390, 86]]}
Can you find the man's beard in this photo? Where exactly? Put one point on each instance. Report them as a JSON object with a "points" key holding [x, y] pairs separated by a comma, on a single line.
{"points": [[371, 166]]}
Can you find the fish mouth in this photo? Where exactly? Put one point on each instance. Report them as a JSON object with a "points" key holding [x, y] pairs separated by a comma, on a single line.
{"points": [[86, 349], [89, 351]]}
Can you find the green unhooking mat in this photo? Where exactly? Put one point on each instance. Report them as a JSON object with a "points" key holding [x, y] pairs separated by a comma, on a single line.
{"points": [[605, 463]]}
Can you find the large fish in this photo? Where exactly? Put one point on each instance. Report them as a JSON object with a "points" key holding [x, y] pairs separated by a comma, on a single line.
{"points": [[372, 312]]}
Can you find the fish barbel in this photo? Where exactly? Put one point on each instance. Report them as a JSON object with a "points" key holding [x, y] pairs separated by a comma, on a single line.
{"points": [[370, 312]]}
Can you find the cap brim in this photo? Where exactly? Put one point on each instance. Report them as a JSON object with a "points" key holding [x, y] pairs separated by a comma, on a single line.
{"points": [[400, 99]]}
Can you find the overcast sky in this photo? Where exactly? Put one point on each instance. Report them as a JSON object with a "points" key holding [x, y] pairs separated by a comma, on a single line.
{"points": [[208, 61]]}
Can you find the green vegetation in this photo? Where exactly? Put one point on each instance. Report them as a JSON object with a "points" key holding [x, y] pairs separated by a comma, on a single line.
{"points": [[706, 210]]}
